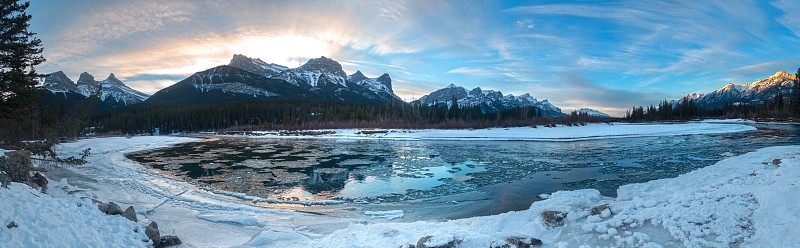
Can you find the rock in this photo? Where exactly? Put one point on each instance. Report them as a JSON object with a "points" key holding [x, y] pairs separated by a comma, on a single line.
{"points": [[40, 181], [599, 209], [152, 232], [12, 225], [776, 161], [4, 180], [523, 242], [553, 218], [103, 207], [113, 209], [421, 243], [130, 213], [170, 241]]}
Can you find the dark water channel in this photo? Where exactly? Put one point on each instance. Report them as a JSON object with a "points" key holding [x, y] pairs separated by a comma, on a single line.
{"points": [[511, 174]]}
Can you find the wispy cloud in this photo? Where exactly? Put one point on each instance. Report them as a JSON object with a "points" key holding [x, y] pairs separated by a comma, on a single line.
{"points": [[618, 53]]}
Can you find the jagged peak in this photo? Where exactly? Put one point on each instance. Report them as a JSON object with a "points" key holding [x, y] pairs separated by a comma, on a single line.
{"points": [[452, 86], [113, 79], [324, 64], [384, 76], [780, 74], [58, 74], [86, 78], [358, 76]]}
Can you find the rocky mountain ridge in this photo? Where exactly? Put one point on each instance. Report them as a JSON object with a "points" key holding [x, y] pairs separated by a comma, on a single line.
{"points": [[111, 89], [488, 100]]}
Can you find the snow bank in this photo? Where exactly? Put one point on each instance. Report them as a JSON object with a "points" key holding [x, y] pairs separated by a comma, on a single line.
{"points": [[560, 133], [46, 221], [750, 200]]}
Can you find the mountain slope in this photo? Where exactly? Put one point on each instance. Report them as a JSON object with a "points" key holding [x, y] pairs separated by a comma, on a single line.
{"points": [[224, 83], [246, 78], [488, 100]]}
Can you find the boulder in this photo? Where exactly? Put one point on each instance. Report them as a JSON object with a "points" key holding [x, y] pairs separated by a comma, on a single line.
{"points": [[421, 243], [130, 214], [40, 181], [170, 241], [553, 218], [12, 225], [520, 242], [776, 161], [599, 209], [113, 209], [152, 232], [103, 207]]}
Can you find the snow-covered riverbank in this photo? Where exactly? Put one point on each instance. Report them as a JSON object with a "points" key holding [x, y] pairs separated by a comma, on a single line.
{"points": [[560, 133], [745, 200]]}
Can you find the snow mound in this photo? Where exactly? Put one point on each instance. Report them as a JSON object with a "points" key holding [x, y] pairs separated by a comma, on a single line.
{"points": [[46, 221]]}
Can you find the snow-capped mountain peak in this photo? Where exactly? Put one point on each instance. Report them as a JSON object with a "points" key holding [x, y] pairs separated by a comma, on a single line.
{"points": [[87, 86], [112, 80], [256, 66], [114, 89], [319, 72], [355, 77], [109, 90], [59, 82], [487, 100], [592, 112], [382, 84], [755, 92]]}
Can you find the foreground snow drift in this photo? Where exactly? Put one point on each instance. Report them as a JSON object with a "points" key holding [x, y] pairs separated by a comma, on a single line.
{"points": [[560, 133], [46, 221], [750, 200]]}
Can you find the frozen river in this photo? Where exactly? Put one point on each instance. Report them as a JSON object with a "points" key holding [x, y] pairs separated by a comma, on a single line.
{"points": [[488, 177]]}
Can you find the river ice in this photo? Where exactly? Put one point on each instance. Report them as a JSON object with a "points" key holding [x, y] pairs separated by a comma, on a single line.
{"points": [[748, 200]]}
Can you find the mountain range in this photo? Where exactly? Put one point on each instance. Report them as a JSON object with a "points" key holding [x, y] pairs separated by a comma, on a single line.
{"points": [[111, 91], [755, 92], [488, 100], [246, 78]]}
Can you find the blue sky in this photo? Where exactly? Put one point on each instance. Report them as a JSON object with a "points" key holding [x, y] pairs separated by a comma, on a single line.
{"points": [[603, 55]]}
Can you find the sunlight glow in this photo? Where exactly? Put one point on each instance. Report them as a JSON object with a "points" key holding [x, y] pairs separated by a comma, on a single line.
{"points": [[283, 50]]}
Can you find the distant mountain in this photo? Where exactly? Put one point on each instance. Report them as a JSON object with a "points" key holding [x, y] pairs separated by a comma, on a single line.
{"points": [[755, 92], [111, 91], [246, 78], [488, 100], [592, 112]]}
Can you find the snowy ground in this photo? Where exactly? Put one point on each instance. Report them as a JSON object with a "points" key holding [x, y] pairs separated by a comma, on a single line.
{"points": [[560, 133], [745, 200]]}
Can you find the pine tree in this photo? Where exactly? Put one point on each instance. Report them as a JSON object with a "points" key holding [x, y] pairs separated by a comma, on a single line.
{"points": [[20, 51], [796, 94]]}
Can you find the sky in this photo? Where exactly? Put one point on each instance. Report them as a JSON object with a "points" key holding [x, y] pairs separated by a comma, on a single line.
{"points": [[606, 55]]}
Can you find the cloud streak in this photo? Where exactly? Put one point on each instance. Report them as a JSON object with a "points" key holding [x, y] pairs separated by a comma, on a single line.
{"points": [[604, 55]]}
